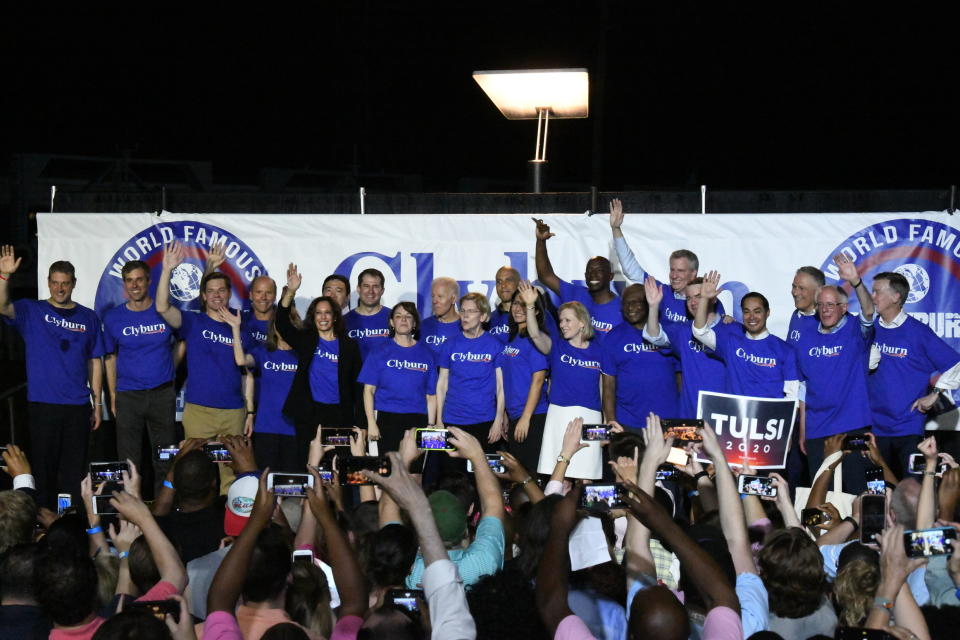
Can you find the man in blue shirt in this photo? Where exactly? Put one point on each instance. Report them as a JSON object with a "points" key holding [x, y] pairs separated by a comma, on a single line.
{"points": [[507, 281], [833, 361], [597, 296], [445, 321], [369, 323], [904, 357], [64, 347], [140, 368]]}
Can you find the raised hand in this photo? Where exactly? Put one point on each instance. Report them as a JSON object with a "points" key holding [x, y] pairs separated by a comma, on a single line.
{"points": [[847, 270], [528, 293], [173, 255], [226, 315], [711, 285], [571, 438], [15, 461], [8, 262], [294, 279], [658, 447], [515, 472], [543, 230], [928, 447], [131, 479], [216, 256], [616, 213], [653, 290]]}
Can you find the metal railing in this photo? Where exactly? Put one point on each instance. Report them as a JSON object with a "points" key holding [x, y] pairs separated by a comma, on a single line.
{"points": [[10, 396]]}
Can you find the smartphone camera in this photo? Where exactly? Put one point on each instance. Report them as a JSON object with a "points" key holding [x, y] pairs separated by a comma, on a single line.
{"points": [[217, 452], [667, 472], [875, 482], [102, 506], [594, 433], [854, 442], [814, 517], [64, 502], [873, 512], [336, 437], [924, 543], [354, 467], [757, 486], [683, 431], [494, 461], [289, 485], [101, 472], [603, 497], [167, 453], [434, 440]]}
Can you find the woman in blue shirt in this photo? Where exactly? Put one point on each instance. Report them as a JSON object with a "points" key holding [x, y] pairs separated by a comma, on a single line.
{"points": [[524, 375], [575, 368], [399, 380], [325, 390], [470, 381], [274, 365]]}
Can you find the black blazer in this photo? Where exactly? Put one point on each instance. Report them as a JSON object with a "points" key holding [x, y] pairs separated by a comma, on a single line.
{"points": [[300, 406]]}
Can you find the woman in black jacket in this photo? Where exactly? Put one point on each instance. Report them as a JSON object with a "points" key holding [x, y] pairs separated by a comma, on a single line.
{"points": [[325, 390]]}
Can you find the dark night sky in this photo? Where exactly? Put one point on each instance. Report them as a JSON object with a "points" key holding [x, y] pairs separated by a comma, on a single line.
{"points": [[737, 97]]}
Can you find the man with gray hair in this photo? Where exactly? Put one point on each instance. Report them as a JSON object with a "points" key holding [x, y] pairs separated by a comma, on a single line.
{"points": [[445, 321], [834, 361]]}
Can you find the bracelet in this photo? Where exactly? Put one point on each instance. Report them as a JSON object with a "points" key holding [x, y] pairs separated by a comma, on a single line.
{"points": [[956, 594], [92, 531], [524, 483], [929, 473], [3, 277], [858, 284], [251, 413], [883, 603], [856, 525], [168, 484], [123, 554], [701, 474]]}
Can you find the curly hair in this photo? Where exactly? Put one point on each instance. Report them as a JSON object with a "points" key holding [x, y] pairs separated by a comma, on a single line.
{"points": [[792, 570], [853, 590]]}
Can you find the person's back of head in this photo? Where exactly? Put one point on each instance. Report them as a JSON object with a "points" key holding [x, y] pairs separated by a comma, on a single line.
{"points": [[143, 570], [903, 503], [390, 623], [657, 613], [285, 631], [462, 486], [18, 515], [792, 571], [362, 521], [853, 591], [65, 580], [308, 598], [269, 567], [533, 534], [196, 478], [504, 606], [133, 625], [388, 554], [17, 566]]}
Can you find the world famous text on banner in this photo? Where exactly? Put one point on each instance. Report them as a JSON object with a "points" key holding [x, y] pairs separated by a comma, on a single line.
{"points": [[754, 431], [241, 264], [926, 253]]}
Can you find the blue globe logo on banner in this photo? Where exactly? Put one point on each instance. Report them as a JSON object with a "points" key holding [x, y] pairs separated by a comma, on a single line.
{"points": [[926, 253], [241, 265], [919, 281]]}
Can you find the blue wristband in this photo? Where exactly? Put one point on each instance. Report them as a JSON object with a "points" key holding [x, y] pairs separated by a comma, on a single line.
{"points": [[168, 484], [956, 593], [123, 554], [94, 530]]}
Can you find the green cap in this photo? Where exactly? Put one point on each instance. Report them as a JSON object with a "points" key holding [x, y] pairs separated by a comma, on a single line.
{"points": [[450, 516]]}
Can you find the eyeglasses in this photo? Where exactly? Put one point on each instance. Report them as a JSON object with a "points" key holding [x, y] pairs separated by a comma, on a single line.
{"points": [[829, 305]]}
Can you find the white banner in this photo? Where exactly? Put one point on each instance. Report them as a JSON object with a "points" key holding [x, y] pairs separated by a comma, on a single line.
{"points": [[752, 252]]}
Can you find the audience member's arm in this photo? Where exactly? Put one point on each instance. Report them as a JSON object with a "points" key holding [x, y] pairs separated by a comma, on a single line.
{"points": [[818, 492], [449, 614], [488, 487], [873, 453], [123, 536], [555, 564], [163, 502], [949, 492], [545, 271], [228, 582], [358, 448], [98, 539], [703, 571], [927, 502], [515, 472], [347, 575], [894, 569], [571, 444], [307, 531], [164, 554], [731, 512], [17, 466], [784, 503], [637, 557]]}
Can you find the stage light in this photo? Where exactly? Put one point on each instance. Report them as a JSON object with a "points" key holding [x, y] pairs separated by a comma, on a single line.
{"points": [[541, 94]]}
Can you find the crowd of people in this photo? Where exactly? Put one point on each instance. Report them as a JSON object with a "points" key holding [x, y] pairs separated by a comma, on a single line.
{"points": [[425, 545]]}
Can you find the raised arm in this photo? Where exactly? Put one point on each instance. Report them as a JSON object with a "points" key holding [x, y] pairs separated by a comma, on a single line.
{"points": [[8, 266], [529, 297], [165, 555], [894, 569], [173, 256], [848, 271], [927, 502], [488, 487], [628, 262], [545, 271], [554, 567], [731, 511]]}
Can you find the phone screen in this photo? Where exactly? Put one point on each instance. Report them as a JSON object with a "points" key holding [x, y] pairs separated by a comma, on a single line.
{"points": [[594, 433], [167, 453], [757, 486], [353, 468], [102, 506], [158, 608], [929, 542], [107, 472], [813, 517], [405, 599], [217, 452], [336, 437], [64, 502], [290, 485], [683, 431], [603, 496], [434, 440], [873, 512], [875, 482], [667, 472]]}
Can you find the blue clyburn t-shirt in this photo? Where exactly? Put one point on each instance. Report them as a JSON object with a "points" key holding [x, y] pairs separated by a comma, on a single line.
{"points": [[275, 371], [755, 367], [434, 333], [801, 324], [403, 376], [500, 324], [368, 331], [143, 342], [519, 360], [325, 372], [213, 377], [575, 374], [701, 369], [603, 316], [472, 383], [253, 331], [60, 343], [909, 355], [834, 366], [646, 376]]}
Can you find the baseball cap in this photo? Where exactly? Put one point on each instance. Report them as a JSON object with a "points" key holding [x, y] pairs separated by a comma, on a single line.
{"points": [[450, 516], [240, 499]]}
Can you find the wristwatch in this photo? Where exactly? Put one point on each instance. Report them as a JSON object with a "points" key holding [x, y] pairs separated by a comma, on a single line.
{"points": [[560, 458]]}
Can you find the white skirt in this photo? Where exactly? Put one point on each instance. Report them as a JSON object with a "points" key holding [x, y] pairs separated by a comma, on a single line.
{"points": [[586, 463]]}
